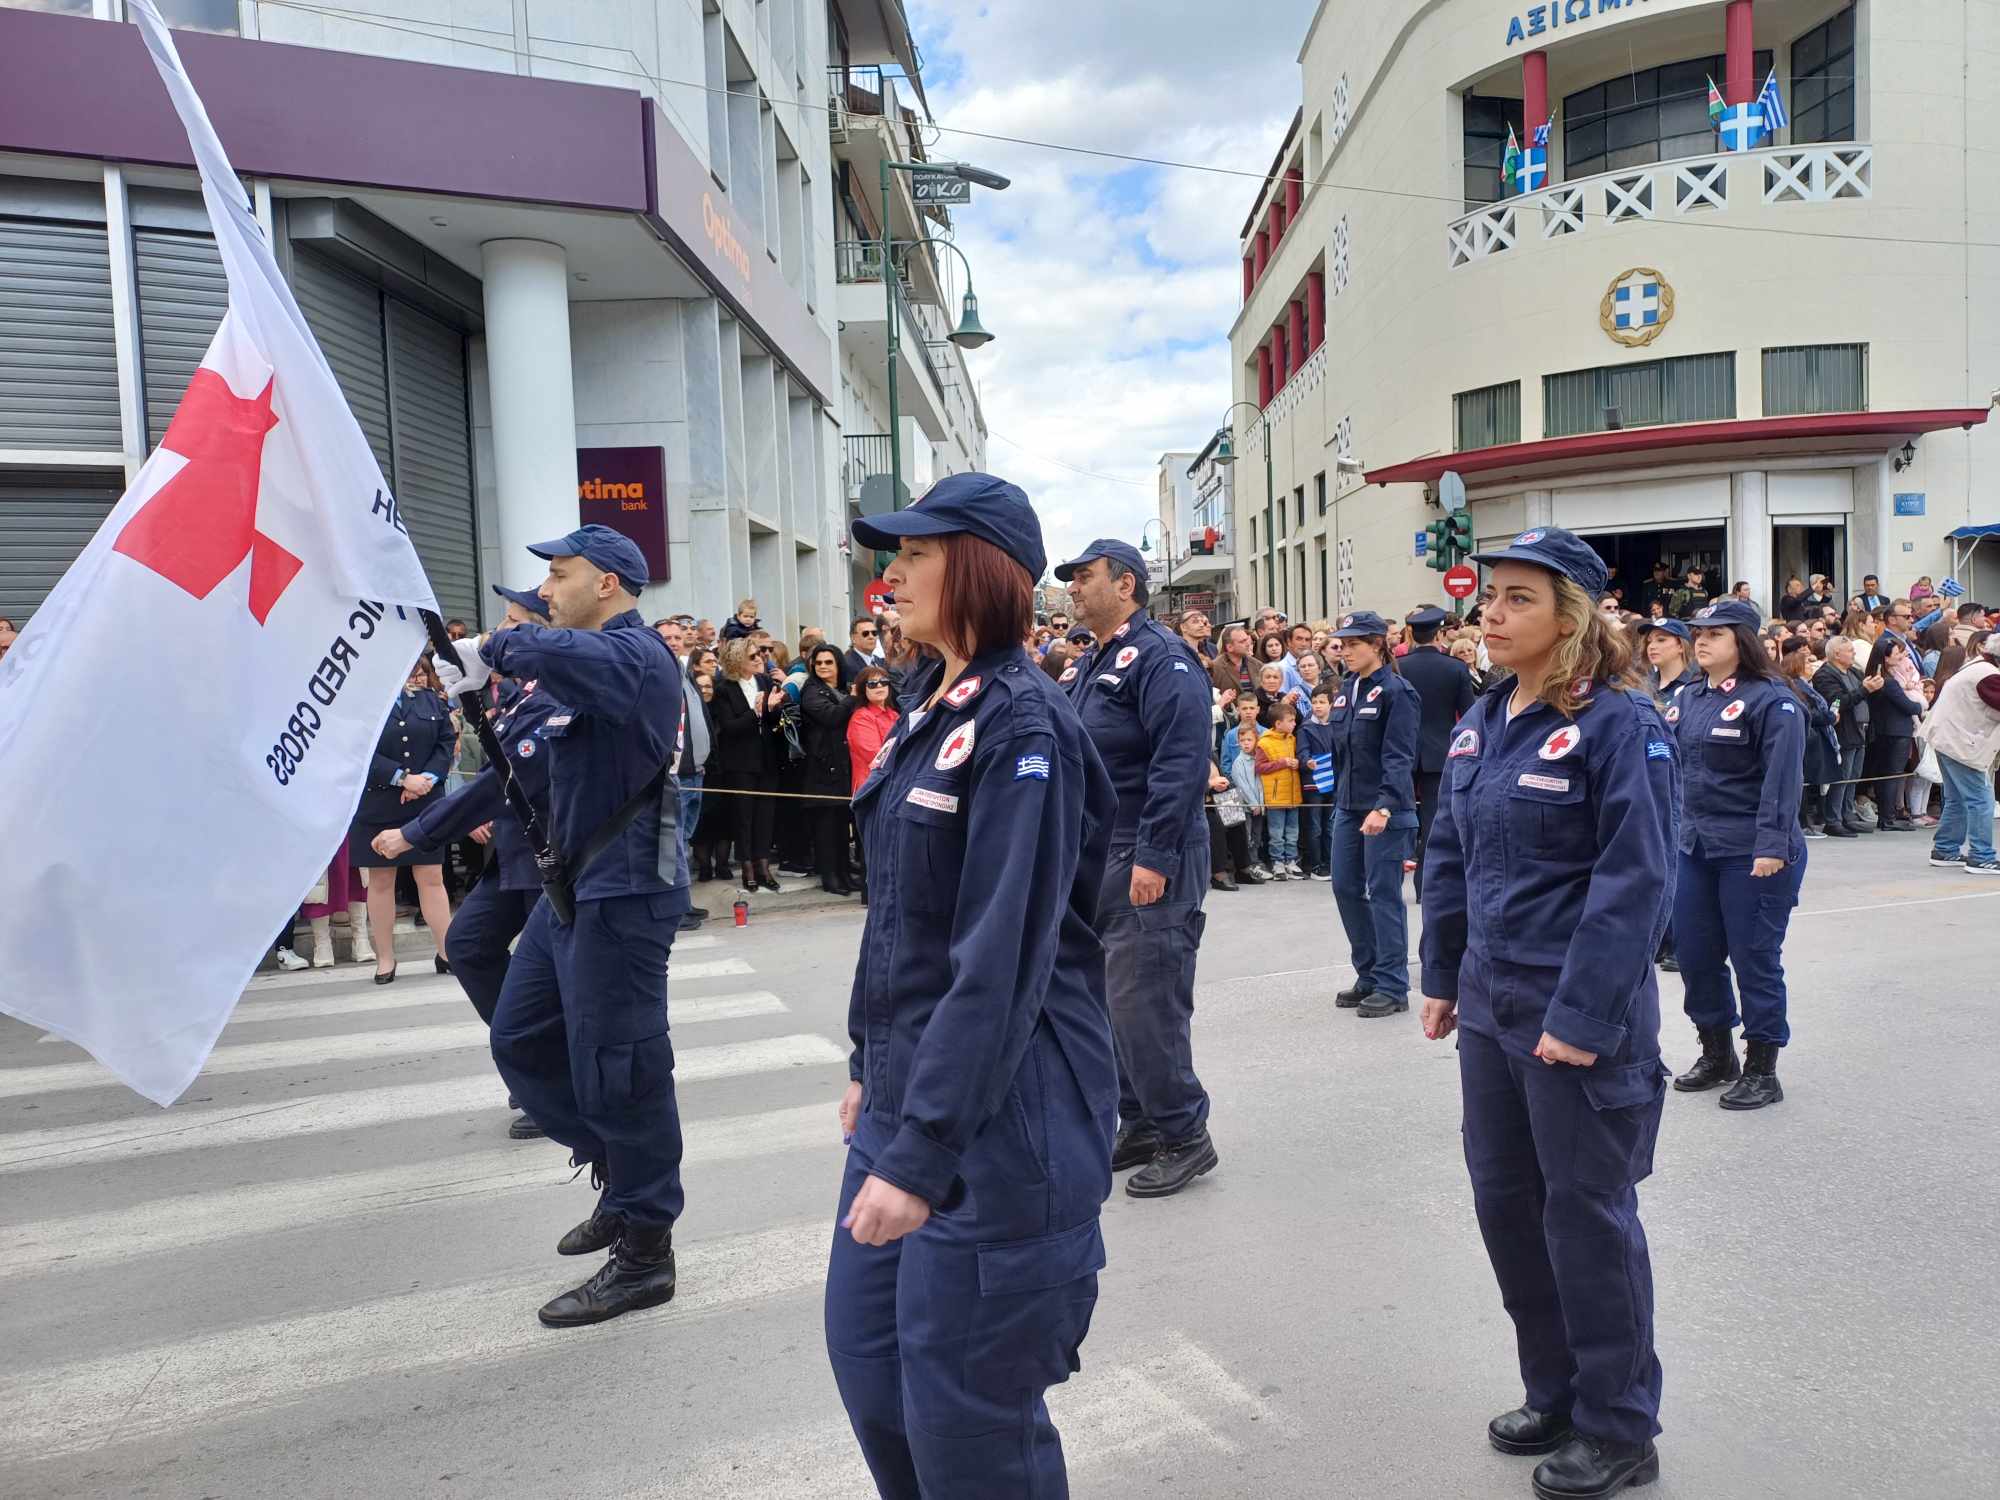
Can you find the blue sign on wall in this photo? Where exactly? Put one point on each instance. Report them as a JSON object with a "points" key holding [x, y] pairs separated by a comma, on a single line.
{"points": [[1423, 543], [1909, 505], [1540, 20]]}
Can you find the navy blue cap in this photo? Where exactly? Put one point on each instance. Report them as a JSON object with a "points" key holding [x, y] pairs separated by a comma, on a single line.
{"points": [[1726, 612], [1428, 618], [1671, 627], [1104, 547], [988, 507], [532, 602], [1559, 551], [1080, 635], [1361, 622], [603, 548]]}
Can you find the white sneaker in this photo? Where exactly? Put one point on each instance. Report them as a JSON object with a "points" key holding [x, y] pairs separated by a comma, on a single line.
{"points": [[1983, 866], [289, 961]]}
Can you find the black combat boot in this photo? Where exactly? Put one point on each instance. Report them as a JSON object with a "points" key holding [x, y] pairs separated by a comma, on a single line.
{"points": [[1525, 1431], [1759, 1084], [598, 1231], [639, 1274], [1348, 999], [1136, 1145], [1173, 1168], [524, 1128], [1717, 1064], [1378, 1005], [1589, 1468]]}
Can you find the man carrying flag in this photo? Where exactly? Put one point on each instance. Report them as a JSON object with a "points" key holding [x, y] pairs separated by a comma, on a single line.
{"points": [[280, 591]]}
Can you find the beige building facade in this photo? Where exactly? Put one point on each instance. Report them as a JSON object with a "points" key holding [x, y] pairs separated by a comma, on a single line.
{"points": [[1765, 361]]}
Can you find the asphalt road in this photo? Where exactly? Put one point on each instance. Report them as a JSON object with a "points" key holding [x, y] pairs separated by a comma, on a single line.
{"points": [[317, 1276]]}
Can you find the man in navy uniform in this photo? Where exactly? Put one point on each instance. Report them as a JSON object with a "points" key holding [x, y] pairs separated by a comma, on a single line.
{"points": [[1445, 686], [484, 927], [1144, 701], [581, 1030]]}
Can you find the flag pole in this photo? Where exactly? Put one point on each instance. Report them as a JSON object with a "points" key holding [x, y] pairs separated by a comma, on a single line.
{"points": [[548, 860]]}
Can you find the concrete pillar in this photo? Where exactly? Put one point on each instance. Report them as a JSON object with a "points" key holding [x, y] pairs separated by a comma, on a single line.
{"points": [[1538, 508], [1534, 94], [1740, 61], [1264, 391], [1249, 275], [1749, 535], [1300, 348], [1295, 188], [529, 384]]}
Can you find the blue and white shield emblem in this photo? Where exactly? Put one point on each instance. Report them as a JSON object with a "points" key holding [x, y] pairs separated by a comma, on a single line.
{"points": [[1637, 307]]}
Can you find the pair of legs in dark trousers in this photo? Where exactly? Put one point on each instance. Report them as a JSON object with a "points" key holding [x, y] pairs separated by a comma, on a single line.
{"points": [[1368, 889], [476, 947], [1149, 960], [1427, 784], [580, 1035], [1229, 848], [1726, 918], [829, 844], [753, 814], [1840, 796]]}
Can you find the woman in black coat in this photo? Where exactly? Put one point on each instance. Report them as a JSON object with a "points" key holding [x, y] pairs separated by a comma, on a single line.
{"points": [[743, 764], [825, 705], [1893, 716]]}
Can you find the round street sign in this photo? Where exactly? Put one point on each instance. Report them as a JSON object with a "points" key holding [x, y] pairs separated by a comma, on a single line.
{"points": [[876, 595], [1462, 582]]}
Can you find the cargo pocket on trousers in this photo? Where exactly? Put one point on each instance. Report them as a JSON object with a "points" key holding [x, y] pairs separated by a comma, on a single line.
{"points": [[618, 1075], [1615, 1136], [1036, 1297]]}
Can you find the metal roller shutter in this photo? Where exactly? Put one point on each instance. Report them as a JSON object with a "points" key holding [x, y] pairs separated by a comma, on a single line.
{"points": [[345, 315], [58, 356], [182, 296], [47, 517], [433, 445]]}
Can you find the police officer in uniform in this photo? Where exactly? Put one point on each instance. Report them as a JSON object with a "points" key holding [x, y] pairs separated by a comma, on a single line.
{"points": [[1444, 686], [1549, 880], [1742, 854], [580, 1032], [1144, 701], [492, 915], [984, 1095], [1376, 718]]}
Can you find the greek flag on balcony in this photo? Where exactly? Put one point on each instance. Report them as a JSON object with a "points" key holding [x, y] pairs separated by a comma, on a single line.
{"points": [[1742, 127], [1533, 173], [1775, 118], [1636, 304]]}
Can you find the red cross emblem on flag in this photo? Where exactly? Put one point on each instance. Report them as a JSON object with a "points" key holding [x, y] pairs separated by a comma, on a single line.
{"points": [[200, 525], [1559, 744]]}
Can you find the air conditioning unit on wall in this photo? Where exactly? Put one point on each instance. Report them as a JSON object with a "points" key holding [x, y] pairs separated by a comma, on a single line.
{"points": [[836, 119]]}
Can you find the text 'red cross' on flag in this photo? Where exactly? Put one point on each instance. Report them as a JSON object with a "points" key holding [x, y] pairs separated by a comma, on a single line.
{"points": [[188, 719]]}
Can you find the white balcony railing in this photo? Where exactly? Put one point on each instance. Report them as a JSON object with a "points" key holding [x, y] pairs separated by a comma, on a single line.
{"points": [[1691, 186]]}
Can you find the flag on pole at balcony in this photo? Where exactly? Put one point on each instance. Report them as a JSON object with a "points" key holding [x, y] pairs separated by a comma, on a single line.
{"points": [[1742, 127], [1775, 118], [1510, 162], [1715, 105], [1534, 168]]}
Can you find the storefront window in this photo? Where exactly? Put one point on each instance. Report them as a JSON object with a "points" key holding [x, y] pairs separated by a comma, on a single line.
{"points": [[1822, 96], [1486, 125], [1697, 388], [1652, 115]]}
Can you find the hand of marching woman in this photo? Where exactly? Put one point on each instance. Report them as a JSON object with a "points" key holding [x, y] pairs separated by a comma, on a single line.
{"points": [[850, 1112], [1552, 1051], [1763, 869], [1440, 1018], [883, 1212]]}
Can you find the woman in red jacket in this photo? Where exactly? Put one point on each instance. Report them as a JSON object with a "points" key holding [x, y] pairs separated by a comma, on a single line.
{"points": [[871, 723]]}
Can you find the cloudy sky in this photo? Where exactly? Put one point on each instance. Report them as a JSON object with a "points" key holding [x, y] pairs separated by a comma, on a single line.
{"points": [[1110, 287]]}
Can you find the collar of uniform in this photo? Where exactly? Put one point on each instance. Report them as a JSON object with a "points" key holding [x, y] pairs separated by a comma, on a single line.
{"points": [[1377, 675], [629, 620]]}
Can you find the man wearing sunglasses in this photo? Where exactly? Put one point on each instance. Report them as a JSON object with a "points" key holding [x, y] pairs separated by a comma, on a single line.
{"points": [[864, 646]]}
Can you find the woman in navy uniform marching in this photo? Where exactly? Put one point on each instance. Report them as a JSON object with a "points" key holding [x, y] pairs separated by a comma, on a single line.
{"points": [[1376, 720], [1548, 876], [1742, 854], [984, 1094], [408, 771]]}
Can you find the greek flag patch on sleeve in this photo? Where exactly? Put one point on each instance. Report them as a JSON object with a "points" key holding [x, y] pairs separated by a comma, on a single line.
{"points": [[1032, 768], [1788, 708], [1658, 750]]}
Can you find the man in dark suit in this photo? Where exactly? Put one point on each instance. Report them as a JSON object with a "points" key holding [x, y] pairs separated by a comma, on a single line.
{"points": [[863, 650], [1445, 686]]}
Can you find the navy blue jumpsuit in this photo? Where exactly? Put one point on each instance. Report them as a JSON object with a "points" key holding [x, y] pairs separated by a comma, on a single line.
{"points": [[1743, 744], [1375, 724], [1144, 704], [580, 1034], [492, 915], [1547, 882], [982, 1041]]}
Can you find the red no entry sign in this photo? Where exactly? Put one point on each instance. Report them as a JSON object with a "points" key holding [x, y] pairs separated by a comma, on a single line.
{"points": [[1462, 582], [876, 595]]}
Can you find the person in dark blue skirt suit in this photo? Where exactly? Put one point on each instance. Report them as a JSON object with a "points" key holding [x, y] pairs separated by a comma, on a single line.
{"points": [[411, 760]]}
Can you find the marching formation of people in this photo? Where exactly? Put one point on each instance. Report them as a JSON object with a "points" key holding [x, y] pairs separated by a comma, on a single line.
{"points": [[1035, 811]]}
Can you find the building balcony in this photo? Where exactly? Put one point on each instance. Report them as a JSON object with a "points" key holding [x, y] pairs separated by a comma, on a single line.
{"points": [[868, 122], [1688, 188], [930, 377]]}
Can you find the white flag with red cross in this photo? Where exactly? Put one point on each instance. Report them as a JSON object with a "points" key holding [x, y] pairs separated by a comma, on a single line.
{"points": [[187, 721]]}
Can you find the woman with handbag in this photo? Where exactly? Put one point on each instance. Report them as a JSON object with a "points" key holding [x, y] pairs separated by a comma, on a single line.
{"points": [[826, 707], [744, 761]]}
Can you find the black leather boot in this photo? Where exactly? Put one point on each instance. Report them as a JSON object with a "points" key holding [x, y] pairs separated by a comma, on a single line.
{"points": [[1759, 1084], [524, 1128], [1525, 1431], [1588, 1468], [1136, 1145], [639, 1274], [1378, 1005], [1173, 1168], [598, 1231], [1717, 1064], [1348, 999]]}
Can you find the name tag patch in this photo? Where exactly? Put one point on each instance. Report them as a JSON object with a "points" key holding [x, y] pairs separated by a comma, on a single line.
{"points": [[1109, 679], [1030, 768], [560, 719], [1723, 732], [1543, 783], [1367, 713], [923, 796]]}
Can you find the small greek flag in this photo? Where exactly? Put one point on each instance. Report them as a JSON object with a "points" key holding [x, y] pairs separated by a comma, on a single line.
{"points": [[1951, 588], [1032, 767], [1775, 118], [1321, 767]]}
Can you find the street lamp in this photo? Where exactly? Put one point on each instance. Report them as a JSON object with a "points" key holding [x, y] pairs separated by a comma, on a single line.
{"points": [[1166, 546], [968, 335], [1225, 453]]}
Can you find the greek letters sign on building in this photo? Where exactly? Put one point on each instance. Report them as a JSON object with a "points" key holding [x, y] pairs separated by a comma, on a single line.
{"points": [[626, 489], [1550, 19]]}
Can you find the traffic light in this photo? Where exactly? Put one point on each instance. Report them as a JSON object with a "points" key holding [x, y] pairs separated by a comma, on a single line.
{"points": [[1437, 550], [1458, 531]]}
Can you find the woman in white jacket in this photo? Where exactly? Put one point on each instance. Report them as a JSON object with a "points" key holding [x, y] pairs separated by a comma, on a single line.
{"points": [[1963, 728]]}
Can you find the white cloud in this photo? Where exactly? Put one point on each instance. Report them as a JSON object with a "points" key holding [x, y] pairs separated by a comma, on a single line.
{"points": [[1111, 286]]}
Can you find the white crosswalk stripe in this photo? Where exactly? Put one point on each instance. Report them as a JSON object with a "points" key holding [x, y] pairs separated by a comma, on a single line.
{"points": [[348, 973]]}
